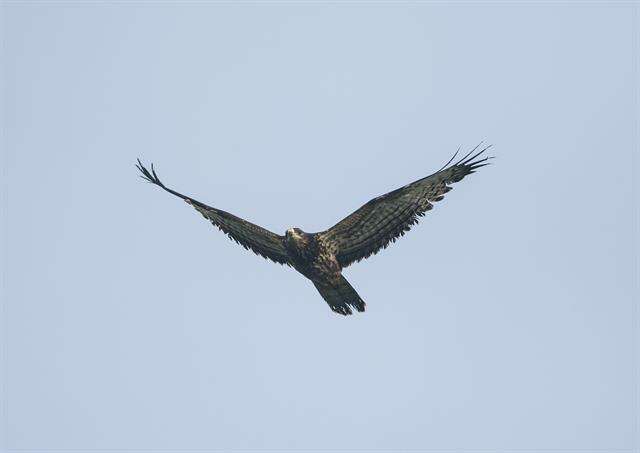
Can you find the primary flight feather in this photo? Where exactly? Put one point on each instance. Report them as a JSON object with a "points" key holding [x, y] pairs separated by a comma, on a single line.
{"points": [[321, 256]]}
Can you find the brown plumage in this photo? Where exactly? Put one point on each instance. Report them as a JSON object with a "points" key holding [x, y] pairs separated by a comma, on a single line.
{"points": [[321, 256]]}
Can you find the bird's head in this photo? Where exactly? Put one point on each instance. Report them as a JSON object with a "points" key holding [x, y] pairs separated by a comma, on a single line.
{"points": [[294, 233], [296, 237]]}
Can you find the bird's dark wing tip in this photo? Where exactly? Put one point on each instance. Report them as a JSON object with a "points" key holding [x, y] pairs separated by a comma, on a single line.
{"points": [[472, 161], [149, 176]]}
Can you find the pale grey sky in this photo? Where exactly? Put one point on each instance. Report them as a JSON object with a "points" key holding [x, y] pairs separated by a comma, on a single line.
{"points": [[503, 321]]}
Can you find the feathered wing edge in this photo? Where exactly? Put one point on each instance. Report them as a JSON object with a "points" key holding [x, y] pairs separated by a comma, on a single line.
{"points": [[386, 218], [250, 236]]}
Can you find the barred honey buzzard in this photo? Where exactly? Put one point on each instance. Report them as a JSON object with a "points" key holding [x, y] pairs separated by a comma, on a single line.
{"points": [[321, 256]]}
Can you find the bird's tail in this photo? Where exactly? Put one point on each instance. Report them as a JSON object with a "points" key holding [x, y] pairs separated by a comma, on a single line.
{"points": [[341, 297]]}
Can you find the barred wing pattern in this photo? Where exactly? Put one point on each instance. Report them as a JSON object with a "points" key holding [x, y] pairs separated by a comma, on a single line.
{"points": [[384, 219], [253, 237]]}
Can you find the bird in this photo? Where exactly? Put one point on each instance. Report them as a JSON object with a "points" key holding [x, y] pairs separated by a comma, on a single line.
{"points": [[321, 257]]}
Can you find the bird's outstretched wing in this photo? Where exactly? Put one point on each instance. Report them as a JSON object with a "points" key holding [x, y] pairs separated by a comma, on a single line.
{"points": [[261, 241], [385, 218]]}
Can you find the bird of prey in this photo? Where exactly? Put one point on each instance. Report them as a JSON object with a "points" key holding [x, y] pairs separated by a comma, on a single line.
{"points": [[321, 256]]}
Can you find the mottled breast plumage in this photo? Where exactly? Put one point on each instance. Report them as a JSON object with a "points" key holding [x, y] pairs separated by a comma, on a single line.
{"points": [[310, 256]]}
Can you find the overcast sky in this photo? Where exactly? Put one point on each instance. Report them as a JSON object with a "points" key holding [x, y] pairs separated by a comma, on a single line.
{"points": [[503, 321]]}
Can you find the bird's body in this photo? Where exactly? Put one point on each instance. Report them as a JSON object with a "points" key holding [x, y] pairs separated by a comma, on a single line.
{"points": [[311, 257], [315, 259], [320, 257]]}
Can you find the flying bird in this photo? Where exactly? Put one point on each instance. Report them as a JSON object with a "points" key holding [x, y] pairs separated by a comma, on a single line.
{"points": [[320, 257]]}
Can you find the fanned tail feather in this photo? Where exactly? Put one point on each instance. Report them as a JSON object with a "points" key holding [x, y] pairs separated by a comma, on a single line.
{"points": [[341, 297]]}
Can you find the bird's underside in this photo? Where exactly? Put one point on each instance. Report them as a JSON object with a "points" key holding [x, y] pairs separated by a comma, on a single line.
{"points": [[321, 256]]}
